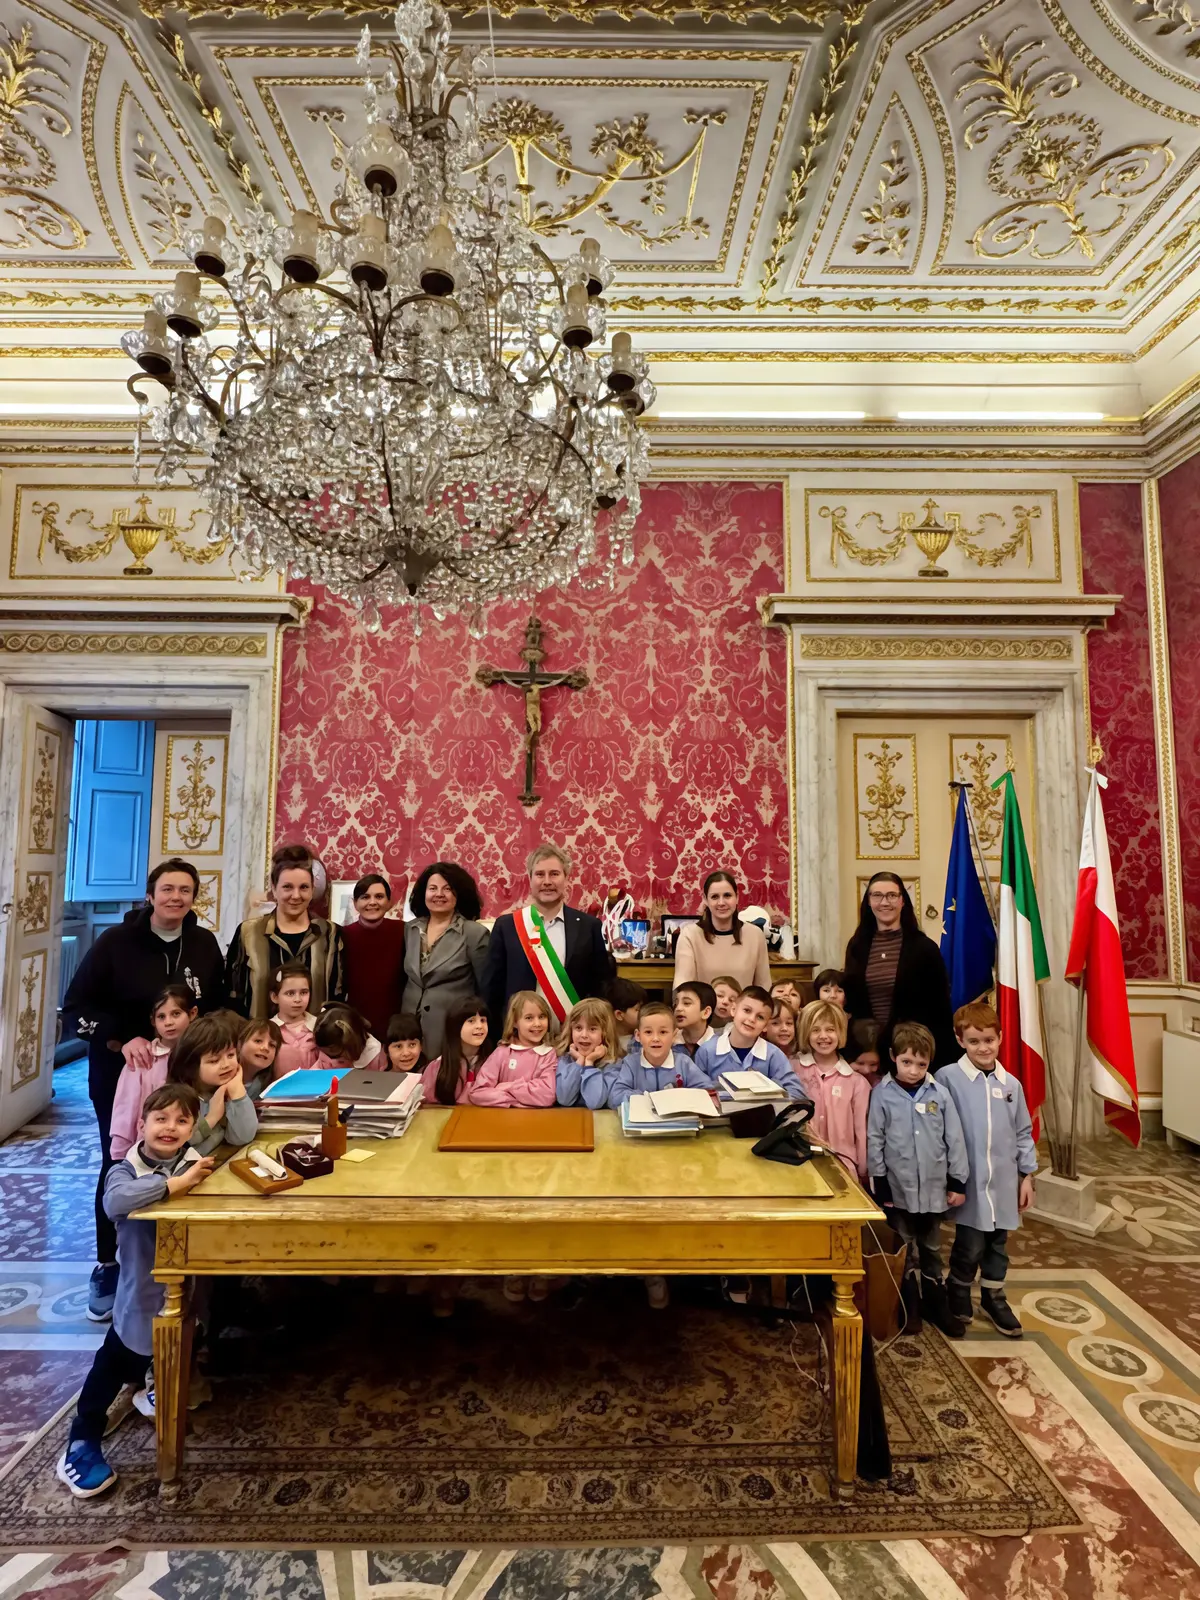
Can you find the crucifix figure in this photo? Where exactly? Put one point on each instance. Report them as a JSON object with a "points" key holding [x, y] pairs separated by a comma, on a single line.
{"points": [[531, 682]]}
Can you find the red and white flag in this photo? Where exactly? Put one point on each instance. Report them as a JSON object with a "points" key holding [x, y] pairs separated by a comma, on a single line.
{"points": [[1095, 963]]}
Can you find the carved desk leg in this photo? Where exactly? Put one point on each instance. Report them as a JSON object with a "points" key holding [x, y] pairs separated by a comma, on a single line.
{"points": [[172, 1364], [847, 1384]]}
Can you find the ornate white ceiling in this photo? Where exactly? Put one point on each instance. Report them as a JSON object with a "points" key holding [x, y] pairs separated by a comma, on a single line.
{"points": [[800, 199]]}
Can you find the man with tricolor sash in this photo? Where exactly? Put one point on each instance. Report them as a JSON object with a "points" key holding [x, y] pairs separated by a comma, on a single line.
{"points": [[547, 945]]}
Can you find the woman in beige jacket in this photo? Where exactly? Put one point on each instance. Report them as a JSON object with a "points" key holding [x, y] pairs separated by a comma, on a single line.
{"points": [[719, 945]]}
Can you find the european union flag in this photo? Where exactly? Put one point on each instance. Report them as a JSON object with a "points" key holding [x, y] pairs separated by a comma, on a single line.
{"points": [[968, 936]]}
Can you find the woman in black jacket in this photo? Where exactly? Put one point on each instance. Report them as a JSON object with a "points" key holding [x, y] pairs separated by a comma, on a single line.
{"points": [[894, 973], [110, 998]]}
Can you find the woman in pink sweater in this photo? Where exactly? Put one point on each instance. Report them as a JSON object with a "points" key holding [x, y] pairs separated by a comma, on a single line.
{"points": [[522, 1070]]}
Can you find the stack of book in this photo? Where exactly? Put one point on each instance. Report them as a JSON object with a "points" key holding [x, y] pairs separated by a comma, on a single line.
{"points": [[667, 1113], [380, 1104], [750, 1089]]}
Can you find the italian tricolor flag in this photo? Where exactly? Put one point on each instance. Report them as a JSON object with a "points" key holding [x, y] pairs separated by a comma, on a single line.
{"points": [[1021, 961], [1094, 962]]}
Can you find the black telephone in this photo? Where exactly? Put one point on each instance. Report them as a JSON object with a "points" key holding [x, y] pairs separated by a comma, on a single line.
{"points": [[786, 1141]]}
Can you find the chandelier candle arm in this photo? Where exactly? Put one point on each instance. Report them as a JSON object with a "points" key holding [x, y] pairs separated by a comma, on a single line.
{"points": [[408, 408]]}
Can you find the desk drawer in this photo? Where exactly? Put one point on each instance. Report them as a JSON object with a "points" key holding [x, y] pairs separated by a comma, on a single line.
{"points": [[287, 1247]]}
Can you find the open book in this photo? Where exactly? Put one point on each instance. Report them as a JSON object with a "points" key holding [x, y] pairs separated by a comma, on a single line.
{"points": [[683, 1103]]}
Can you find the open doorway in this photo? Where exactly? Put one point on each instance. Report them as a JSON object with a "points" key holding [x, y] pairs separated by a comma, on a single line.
{"points": [[211, 786], [141, 789]]}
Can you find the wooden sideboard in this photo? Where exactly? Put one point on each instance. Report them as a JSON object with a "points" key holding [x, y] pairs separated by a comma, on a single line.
{"points": [[658, 976]]}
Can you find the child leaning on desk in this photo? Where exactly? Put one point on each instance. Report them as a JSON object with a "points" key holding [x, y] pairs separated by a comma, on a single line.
{"points": [[745, 1048], [206, 1059], [521, 1070], [658, 1064], [587, 1055], [164, 1162]]}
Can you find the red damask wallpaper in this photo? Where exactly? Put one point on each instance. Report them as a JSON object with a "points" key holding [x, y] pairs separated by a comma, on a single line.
{"points": [[1179, 505], [1119, 679], [672, 762]]}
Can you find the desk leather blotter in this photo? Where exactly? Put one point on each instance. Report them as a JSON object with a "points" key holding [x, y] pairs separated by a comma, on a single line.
{"points": [[501, 1128]]}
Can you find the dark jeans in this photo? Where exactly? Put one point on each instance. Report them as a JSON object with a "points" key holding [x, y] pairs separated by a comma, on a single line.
{"points": [[922, 1233], [115, 1365], [974, 1249], [104, 1068]]}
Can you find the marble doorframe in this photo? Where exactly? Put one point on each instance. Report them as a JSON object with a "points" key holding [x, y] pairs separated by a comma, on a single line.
{"points": [[245, 688], [1052, 695]]}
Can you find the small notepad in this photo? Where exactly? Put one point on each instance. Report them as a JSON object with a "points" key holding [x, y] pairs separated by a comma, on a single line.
{"points": [[358, 1155], [750, 1082]]}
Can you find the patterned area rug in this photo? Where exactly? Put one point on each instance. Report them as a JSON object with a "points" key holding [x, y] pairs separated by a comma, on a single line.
{"points": [[601, 1423]]}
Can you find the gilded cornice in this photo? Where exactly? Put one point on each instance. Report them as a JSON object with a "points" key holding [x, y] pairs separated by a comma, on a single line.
{"points": [[814, 12]]}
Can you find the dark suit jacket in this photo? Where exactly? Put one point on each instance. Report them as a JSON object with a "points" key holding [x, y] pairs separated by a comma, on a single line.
{"points": [[922, 994], [589, 966]]}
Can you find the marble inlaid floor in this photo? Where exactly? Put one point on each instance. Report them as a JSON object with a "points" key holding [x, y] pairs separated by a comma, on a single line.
{"points": [[1105, 1387]]}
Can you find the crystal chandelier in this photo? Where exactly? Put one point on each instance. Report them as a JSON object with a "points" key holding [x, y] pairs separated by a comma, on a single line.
{"points": [[399, 401]]}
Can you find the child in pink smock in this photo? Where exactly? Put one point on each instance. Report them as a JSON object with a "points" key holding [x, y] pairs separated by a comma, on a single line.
{"points": [[841, 1095], [450, 1077], [169, 1016], [291, 991], [521, 1071]]}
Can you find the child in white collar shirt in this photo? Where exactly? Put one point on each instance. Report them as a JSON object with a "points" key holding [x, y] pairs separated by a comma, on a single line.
{"points": [[918, 1163], [521, 1071], [657, 1062], [1002, 1158], [695, 1002], [744, 1048], [840, 1094]]}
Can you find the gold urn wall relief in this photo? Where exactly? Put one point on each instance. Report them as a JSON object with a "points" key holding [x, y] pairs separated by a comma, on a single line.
{"points": [[953, 531], [99, 533]]}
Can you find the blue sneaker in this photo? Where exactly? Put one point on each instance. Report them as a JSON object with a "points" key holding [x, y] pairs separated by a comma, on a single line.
{"points": [[84, 1470], [102, 1292]]}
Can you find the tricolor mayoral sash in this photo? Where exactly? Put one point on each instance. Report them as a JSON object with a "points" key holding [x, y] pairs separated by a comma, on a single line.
{"points": [[548, 970]]}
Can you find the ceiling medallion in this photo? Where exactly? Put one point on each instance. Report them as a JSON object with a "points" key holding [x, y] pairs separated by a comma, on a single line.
{"points": [[398, 402]]}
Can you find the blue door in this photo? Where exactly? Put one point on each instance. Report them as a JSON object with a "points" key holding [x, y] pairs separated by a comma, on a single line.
{"points": [[114, 782]]}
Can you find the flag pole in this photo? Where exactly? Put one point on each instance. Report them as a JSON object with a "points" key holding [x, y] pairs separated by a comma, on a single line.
{"points": [[960, 784], [1079, 1022], [1061, 1163]]}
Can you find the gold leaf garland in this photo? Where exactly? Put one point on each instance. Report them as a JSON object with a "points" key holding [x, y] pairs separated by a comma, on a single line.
{"points": [[134, 644], [32, 91], [841, 50], [212, 114], [848, 647], [816, 12]]}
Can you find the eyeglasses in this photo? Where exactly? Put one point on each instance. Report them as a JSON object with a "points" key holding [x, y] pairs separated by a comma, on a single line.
{"points": [[880, 898]]}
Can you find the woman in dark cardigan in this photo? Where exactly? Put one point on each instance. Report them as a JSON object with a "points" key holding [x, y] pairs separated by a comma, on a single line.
{"points": [[894, 973]]}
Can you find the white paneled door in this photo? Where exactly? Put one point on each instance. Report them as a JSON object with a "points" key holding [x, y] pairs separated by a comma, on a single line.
{"points": [[34, 942]]}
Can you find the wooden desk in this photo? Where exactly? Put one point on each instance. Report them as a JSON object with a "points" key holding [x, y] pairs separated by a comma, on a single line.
{"points": [[631, 1206], [659, 976]]}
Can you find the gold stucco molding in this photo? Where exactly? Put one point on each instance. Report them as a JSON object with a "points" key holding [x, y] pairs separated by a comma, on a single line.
{"points": [[134, 644], [843, 647]]}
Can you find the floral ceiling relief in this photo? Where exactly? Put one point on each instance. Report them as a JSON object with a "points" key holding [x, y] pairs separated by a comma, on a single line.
{"points": [[673, 761], [1065, 190], [33, 92]]}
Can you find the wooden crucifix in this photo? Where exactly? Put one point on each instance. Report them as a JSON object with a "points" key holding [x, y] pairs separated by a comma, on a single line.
{"points": [[531, 681]]}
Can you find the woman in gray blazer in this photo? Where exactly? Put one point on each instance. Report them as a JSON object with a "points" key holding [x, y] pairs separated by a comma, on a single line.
{"points": [[445, 949]]}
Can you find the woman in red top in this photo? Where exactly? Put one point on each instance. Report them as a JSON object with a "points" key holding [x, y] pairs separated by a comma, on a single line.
{"points": [[374, 954]]}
